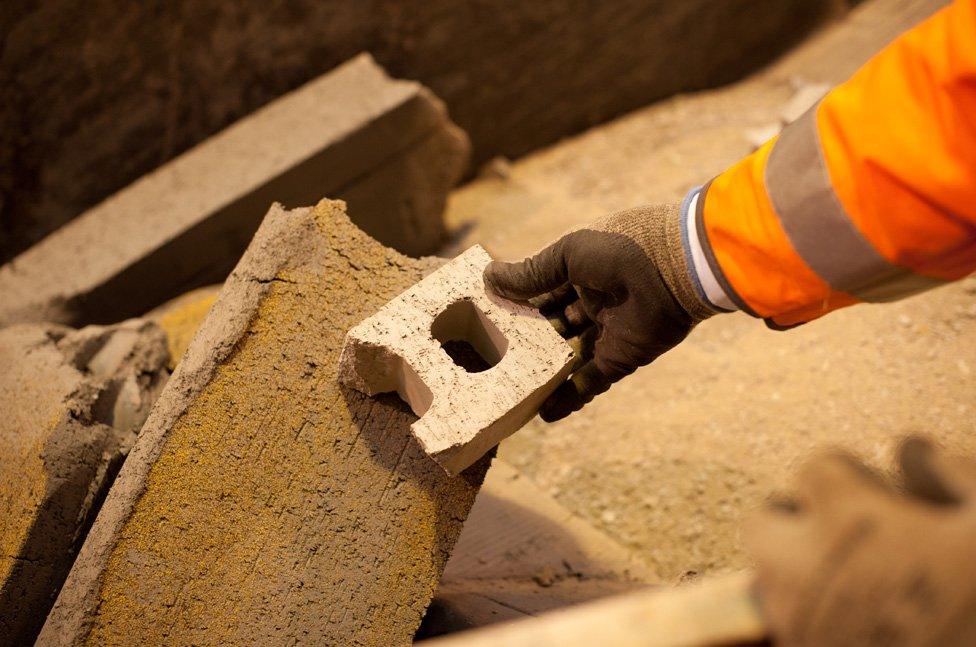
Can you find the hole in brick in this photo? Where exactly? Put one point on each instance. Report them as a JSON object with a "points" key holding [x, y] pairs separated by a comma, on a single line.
{"points": [[469, 338], [412, 389]]}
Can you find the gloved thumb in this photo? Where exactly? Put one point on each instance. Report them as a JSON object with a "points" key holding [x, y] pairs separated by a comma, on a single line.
{"points": [[536, 275], [584, 385], [932, 475]]}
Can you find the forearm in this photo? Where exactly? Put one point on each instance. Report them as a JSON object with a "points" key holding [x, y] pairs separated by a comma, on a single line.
{"points": [[870, 196]]}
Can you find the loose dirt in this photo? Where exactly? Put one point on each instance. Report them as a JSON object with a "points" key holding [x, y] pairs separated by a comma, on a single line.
{"points": [[671, 459]]}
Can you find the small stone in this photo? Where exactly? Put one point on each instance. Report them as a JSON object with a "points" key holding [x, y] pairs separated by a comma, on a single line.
{"points": [[545, 577]]}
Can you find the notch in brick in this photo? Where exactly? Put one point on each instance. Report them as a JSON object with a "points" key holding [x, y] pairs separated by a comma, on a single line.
{"points": [[473, 366]]}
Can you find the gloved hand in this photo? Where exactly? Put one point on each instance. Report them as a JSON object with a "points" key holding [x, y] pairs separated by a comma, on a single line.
{"points": [[623, 286], [854, 560]]}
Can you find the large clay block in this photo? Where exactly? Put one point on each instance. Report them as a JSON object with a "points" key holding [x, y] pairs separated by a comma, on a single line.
{"points": [[462, 414], [71, 402], [264, 503], [385, 145]]}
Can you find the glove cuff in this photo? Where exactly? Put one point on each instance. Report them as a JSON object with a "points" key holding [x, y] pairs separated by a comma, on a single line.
{"points": [[661, 232], [679, 272]]}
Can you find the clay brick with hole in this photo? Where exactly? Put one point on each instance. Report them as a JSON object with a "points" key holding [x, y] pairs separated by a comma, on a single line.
{"points": [[463, 414], [384, 145]]}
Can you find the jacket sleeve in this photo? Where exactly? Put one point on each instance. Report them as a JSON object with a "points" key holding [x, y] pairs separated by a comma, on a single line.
{"points": [[870, 196]]}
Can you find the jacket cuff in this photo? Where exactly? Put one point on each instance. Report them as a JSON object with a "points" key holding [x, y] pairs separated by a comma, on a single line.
{"points": [[707, 285]]}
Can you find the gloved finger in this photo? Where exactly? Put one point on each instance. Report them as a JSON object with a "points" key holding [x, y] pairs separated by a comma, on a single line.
{"points": [[921, 477], [556, 300], [779, 545], [837, 479], [551, 305], [960, 474], [615, 354], [583, 347], [934, 476], [578, 390], [772, 537], [575, 314], [534, 276], [558, 322]]}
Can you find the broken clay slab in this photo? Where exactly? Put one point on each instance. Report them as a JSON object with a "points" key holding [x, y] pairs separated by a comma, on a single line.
{"points": [[462, 414]]}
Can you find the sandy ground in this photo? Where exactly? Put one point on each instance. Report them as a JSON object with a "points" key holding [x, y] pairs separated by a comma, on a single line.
{"points": [[671, 459]]}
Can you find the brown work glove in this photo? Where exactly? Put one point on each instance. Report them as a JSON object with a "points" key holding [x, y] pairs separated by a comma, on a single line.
{"points": [[858, 561], [621, 286]]}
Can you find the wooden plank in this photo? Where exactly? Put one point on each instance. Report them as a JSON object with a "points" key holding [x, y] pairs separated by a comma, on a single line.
{"points": [[720, 611]]}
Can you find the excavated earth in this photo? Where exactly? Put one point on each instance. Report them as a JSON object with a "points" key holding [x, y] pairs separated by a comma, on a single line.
{"points": [[671, 460], [667, 464]]}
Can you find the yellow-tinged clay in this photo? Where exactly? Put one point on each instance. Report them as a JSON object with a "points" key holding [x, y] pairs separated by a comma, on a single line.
{"points": [[182, 321], [264, 503]]}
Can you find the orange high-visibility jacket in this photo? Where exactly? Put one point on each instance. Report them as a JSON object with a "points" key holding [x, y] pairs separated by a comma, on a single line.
{"points": [[870, 196]]}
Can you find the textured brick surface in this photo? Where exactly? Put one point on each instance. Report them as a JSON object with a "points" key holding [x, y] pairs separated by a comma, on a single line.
{"points": [[264, 503], [386, 145], [462, 413], [180, 318]]}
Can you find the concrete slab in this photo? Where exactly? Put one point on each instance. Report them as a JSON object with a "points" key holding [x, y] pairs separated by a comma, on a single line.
{"points": [[147, 83], [386, 145], [264, 503], [72, 402], [464, 411]]}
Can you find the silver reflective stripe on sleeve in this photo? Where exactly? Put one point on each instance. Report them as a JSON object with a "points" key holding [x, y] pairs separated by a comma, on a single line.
{"points": [[714, 294], [817, 225]]}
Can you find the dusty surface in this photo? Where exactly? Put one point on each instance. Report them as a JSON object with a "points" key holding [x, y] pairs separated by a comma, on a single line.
{"points": [[72, 402], [351, 131], [521, 554], [263, 503], [463, 414], [97, 94], [658, 153], [670, 460]]}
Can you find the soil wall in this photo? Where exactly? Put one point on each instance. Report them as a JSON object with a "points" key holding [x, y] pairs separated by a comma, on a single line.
{"points": [[98, 93]]}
